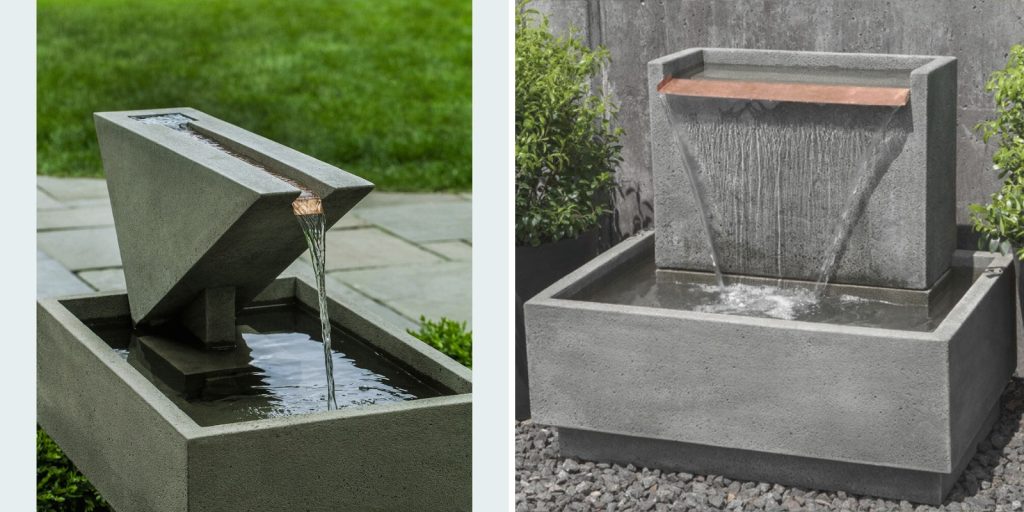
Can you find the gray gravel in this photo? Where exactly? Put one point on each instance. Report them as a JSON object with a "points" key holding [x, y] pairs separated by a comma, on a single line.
{"points": [[994, 480]]}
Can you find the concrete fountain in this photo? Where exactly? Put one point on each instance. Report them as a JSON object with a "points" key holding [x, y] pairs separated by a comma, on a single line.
{"points": [[800, 313], [202, 388]]}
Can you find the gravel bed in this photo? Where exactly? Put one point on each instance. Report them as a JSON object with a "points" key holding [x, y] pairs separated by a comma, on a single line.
{"points": [[994, 479]]}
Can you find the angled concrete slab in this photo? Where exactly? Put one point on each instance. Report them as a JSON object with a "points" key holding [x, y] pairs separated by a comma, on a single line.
{"points": [[194, 214]]}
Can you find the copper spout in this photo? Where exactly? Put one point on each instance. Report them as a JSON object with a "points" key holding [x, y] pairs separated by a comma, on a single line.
{"points": [[786, 91], [307, 205]]}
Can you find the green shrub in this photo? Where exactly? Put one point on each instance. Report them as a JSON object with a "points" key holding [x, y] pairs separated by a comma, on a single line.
{"points": [[448, 336], [1001, 222], [567, 143], [59, 485]]}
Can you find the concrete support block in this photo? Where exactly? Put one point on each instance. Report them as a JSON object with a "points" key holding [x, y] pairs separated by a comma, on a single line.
{"points": [[211, 317]]}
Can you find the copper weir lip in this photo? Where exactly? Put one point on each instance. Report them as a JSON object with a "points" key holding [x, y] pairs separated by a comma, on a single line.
{"points": [[786, 91]]}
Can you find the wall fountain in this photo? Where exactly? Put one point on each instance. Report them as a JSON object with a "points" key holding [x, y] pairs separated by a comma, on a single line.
{"points": [[800, 313], [203, 388]]}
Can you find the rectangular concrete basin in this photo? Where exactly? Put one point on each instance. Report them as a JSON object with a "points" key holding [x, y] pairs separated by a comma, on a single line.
{"points": [[884, 412], [143, 452]]}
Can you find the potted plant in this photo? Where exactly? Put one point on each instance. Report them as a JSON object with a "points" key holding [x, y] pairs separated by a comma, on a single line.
{"points": [[1001, 221], [567, 149]]}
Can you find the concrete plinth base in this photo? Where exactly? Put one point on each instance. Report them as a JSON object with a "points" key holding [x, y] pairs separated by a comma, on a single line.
{"points": [[890, 405], [808, 473]]}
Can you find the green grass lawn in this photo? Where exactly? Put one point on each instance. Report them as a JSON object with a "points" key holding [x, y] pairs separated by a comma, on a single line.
{"points": [[380, 88]]}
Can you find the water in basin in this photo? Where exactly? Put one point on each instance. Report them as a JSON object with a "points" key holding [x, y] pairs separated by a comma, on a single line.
{"points": [[285, 371], [639, 283]]}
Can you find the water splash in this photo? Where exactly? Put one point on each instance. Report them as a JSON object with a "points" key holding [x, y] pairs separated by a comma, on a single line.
{"points": [[314, 229], [787, 303]]}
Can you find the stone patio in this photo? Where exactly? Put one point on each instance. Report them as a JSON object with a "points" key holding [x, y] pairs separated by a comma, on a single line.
{"points": [[408, 253]]}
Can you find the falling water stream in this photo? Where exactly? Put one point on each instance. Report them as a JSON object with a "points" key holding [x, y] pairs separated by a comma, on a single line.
{"points": [[883, 150], [739, 191], [692, 168], [314, 229]]}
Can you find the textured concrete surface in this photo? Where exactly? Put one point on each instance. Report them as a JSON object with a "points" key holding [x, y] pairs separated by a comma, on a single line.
{"points": [[979, 33], [786, 233], [95, 256], [190, 215], [143, 453], [907, 400]]}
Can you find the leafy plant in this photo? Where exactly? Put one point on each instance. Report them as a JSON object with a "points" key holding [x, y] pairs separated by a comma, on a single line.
{"points": [[448, 336], [567, 141], [1001, 222], [59, 485]]}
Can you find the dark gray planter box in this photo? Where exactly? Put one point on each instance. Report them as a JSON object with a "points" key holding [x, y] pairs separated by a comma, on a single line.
{"points": [[872, 411], [142, 452], [536, 268]]}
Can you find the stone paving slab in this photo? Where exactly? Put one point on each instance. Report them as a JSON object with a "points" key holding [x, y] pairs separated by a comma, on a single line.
{"points": [[350, 221], [81, 249], [381, 199], [45, 202], [53, 280], [72, 189], [455, 250], [424, 222], [88, 202], [92, 216], [108, 280], [344, 293], [435, 290], [370, 247]]}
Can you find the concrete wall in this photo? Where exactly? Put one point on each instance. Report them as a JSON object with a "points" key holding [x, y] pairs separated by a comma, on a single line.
{"points": [[979, 33]]}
